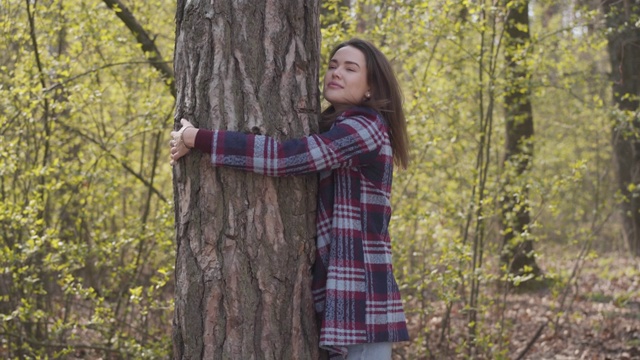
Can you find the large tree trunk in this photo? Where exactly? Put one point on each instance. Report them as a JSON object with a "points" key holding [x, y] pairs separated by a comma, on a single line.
{"points": [[624, 54], [245, 242], [517, 246]]}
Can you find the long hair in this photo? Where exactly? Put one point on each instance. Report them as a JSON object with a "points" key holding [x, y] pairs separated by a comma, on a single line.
{"points": [[386, 98]]}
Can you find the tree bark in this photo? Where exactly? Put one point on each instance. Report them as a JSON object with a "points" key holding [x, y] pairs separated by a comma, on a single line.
{"points": [[624, 54], [517, 247], [245, 243]]}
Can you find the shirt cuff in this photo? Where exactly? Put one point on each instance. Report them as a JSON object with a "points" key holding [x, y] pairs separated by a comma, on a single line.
{"points": [[204, 141]]}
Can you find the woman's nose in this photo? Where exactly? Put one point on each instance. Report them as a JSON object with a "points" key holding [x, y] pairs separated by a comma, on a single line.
{"points": [[336, 73]]}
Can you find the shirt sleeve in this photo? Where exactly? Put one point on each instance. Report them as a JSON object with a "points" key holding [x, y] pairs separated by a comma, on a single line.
{"points": [[352, 141]]}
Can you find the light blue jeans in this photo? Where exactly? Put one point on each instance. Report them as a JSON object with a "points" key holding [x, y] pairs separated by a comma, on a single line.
{"points": [[372, 351]]}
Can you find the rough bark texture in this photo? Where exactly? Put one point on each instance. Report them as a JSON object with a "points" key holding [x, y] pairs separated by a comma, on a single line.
{"points": [[519, 148], [624, 54], [245, 242]]}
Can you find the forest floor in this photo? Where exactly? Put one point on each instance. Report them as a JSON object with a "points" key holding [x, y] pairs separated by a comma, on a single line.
{"points": [[599, 318]]}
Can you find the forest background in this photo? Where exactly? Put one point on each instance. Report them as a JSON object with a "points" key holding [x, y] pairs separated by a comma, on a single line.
{"points": [[87, 220]]}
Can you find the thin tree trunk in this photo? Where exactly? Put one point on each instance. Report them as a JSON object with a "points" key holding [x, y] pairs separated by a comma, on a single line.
{"points": [[245, 242], [624, 54], [519, 148]]}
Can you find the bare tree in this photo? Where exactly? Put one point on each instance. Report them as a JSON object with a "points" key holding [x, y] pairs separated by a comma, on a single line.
{"points": [[245, 243], [517, 246], [623, 17]]}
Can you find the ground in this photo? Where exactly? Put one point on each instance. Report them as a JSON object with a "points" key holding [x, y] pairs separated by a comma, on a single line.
{"points": [[599, 318]]}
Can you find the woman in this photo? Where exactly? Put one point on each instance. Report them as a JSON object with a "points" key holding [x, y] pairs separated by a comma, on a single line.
{"points": [[364, 132]]}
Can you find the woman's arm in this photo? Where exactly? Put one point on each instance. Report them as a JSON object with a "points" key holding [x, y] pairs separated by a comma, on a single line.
{"points": [[352, 141]]}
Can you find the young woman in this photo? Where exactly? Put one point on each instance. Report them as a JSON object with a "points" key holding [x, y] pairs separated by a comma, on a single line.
{"points": [[363, 134]]}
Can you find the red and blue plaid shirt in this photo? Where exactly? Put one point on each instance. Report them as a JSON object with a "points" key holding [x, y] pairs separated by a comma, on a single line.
{"points": [[355, 292]]}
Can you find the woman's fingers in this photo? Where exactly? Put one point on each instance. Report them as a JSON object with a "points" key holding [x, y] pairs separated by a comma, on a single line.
{"points": [[178, 148], [185, 122]]}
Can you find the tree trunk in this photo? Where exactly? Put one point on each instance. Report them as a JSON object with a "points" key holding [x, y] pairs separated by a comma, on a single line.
{"points": [[624, 54], [245, 243], [517, 246]]}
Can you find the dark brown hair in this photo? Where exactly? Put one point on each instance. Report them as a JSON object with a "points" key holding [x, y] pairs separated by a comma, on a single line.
{"points": [[386, 98]]}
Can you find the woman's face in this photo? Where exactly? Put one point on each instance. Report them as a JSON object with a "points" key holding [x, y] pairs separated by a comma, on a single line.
{"points": [[345, 83]]}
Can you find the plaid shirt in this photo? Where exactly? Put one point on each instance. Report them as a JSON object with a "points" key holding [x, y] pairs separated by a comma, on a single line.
{"points": [[355, 292]]}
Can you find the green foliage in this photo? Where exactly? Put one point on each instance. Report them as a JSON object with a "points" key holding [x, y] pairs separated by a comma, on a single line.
{"points": [[446, 229], [86, 248], [86, 227]]}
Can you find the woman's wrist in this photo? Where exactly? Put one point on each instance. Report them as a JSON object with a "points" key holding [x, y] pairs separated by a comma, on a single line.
{"points": [[189, 137]]}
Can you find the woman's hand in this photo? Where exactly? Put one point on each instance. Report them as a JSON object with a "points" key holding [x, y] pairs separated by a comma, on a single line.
{"points": [[178, 146]]}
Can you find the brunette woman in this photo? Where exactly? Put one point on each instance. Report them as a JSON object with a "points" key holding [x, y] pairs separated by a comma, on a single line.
{"points": [[363, 134]]}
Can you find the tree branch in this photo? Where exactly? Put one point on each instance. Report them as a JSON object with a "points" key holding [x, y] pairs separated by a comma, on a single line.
{"points": [[47, 344], [61, 83], [138, 176], [149, 48]]}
